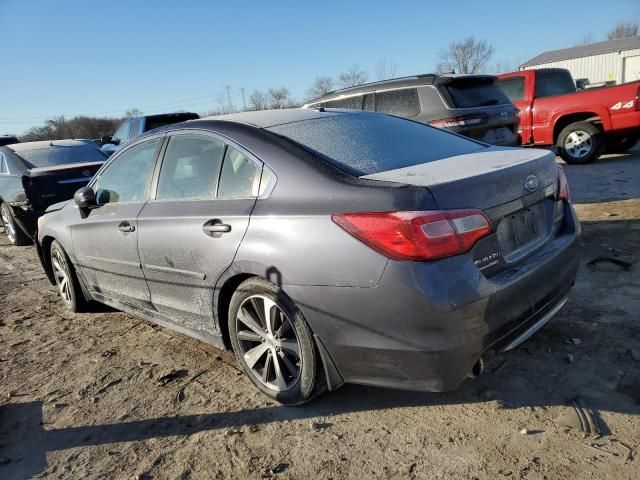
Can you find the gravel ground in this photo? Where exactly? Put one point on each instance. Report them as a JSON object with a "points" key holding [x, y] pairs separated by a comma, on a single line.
{"points": [[106, 395]]}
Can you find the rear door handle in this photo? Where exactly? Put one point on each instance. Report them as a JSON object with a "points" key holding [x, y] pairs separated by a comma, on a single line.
{"points": [[126, 227], [215, 228]]}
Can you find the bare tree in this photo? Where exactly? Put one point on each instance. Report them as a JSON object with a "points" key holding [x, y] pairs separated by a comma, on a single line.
{"points": [[587, 39], [58, 128], [468, 56], [258, 101], [320, 86], [386, 70], [279, 98], [623, 29], [133, 112], [353, 77]]}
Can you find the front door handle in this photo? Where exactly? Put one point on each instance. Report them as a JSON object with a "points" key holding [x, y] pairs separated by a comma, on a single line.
{"points": [[126, 227], [215, 228]]}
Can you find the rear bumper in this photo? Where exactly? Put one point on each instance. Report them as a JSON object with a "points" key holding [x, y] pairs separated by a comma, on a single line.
{"points": [[425, 325]]}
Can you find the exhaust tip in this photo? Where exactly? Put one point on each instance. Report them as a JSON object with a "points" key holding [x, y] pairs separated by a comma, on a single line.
{"points": [[477, 369]]}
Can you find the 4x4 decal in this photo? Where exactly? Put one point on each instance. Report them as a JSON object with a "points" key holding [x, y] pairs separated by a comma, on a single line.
{"points": [[619, 105]]}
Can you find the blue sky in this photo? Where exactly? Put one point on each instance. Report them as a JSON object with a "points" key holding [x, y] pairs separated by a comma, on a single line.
{"points": [[72, 57]]}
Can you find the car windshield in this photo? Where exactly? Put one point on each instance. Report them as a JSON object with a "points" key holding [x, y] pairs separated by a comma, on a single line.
{"points": [[60, 155], [469, 93], [367, 143]]}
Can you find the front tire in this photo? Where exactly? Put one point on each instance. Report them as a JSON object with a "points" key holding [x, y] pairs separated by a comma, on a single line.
{"points": [[11, 229], [273, 344], [66, 279], [579, 143]]}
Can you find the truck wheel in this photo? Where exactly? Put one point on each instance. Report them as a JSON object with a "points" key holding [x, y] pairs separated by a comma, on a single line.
{"points": [[579, 143], [11, 229], [621, 144]]}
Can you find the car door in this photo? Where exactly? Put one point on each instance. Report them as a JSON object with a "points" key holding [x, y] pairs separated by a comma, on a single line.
{"points": [[105, 241], [190, 231]]}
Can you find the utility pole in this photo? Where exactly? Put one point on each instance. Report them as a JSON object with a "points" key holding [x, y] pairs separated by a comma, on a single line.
{"points": [[228, 89], [244, 102]]}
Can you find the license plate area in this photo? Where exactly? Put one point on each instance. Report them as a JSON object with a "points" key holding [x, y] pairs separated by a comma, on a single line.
{"points": [[523, 228]]}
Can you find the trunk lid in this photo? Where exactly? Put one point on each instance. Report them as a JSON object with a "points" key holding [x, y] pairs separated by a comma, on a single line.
{"points": [[45, 186], [515, 188]]}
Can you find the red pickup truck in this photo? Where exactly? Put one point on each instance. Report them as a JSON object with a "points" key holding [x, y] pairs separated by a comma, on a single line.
{"points": [[580, 123]]}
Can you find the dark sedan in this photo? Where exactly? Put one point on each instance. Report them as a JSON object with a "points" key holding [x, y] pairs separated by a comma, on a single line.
{"points": [[34, 175], [323, 246]]}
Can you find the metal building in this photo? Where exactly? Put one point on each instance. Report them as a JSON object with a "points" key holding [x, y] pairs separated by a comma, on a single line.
{"points": [[612, 61]]}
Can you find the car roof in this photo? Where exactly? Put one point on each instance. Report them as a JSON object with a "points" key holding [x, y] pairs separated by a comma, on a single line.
{"points": [[397, 83], [271, 118], [22, 147]]}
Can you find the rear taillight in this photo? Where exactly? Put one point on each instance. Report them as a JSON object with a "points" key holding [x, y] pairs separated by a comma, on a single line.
{"points": [[417, 236], [457, 122], [563, 186]]}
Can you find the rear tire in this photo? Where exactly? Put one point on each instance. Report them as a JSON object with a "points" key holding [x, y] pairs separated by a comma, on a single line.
{"points": [[622, 144], [276, 351], [66, 279], [579, 143], [12, 230]]}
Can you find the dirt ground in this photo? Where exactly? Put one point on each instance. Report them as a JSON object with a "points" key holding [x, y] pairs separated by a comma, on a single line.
{"points": [[106, 395]]}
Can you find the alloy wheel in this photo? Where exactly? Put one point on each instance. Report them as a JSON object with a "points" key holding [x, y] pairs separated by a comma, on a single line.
{"points": [[61, 274], [579, 144], [268, 343], [7, 222]]}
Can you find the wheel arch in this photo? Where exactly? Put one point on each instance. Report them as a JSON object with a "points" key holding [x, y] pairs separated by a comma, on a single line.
{"points": [[44, 253], [565, 120], [229, 285]]}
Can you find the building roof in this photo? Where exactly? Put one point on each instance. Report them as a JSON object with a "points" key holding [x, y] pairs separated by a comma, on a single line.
{"points": [[590, 49]]}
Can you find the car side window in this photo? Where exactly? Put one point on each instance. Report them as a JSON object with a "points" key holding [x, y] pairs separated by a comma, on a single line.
{"points": [[122, 133], [134, 127], [3, 165], [240, 177], [190, 168], [402, 103], [352, 103], [126, 178]]}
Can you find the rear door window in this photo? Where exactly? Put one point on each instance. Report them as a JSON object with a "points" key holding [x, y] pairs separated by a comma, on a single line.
{"points": [[240, 177], [352, 103], [554, 82], [513, 88], [475, 92], [190, 168], [402, 103]]}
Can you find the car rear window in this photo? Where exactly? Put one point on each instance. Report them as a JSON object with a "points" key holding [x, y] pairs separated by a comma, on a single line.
{"points": [[61, 155], [402, 103], [470, 93], [513, 88], [554, 82], [366, 143]]}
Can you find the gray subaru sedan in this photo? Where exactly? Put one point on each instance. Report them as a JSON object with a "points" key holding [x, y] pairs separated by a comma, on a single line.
{"points": [[323, 246]]}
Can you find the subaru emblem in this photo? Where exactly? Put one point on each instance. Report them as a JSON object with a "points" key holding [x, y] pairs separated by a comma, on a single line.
{"points": [[531, 183]]}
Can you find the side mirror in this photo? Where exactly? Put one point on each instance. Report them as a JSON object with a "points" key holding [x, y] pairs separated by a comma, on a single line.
{"points": [[85, 198], [106, 139]]}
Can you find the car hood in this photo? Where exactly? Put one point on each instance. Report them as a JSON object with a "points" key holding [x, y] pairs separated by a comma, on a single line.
{"points": [[56, 206]]}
